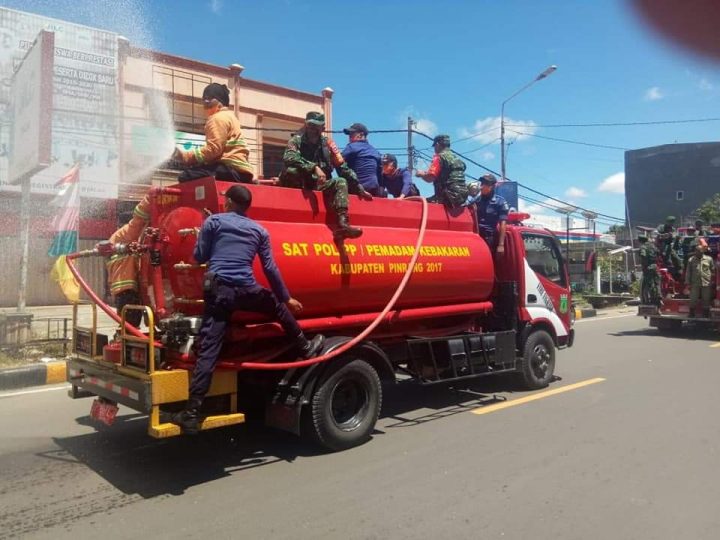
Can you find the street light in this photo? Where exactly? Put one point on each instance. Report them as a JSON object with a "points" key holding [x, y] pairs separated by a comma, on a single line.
{"points": [[624, 251], [549, 71], [567, 211], [591, 217]]}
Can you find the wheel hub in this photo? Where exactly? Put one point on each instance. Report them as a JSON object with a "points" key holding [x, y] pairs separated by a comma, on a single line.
{"points": [[349, 404]]}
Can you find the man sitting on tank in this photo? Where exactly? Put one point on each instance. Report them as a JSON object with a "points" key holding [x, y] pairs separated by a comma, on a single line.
{"points": [[308, 162], [229, 243], [447, 174], [225, 153], [397, 181]]}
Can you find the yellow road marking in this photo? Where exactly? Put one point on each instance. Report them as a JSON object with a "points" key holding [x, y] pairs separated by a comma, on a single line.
{"points": [[534, 397], [715, 345]]}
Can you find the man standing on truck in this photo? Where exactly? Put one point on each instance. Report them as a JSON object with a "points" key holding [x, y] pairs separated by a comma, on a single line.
{"points": [[225, 154], [122, 268], [667, 246], [364, 159], [699, 276], [308, 162], [229, 243], [447, 174], [492, 214], [397, 182], [650, 284]]}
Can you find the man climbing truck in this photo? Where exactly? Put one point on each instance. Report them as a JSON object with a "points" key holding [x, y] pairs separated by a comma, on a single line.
{"points": [[419, 293]]}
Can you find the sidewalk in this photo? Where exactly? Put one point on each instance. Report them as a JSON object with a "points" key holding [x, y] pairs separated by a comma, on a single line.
{"points": [[105, 323]]}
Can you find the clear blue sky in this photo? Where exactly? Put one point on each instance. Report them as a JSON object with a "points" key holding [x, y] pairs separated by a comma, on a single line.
{"points": [[450, 65]]}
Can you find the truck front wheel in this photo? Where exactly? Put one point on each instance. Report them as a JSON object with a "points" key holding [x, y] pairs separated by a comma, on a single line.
{"points": [[537, 365], [345, 406]]}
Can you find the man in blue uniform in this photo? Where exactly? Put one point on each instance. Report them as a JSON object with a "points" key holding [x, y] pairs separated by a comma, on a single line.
{"points": [[397, 182], [363, 158], [229, 242], [492, 214]]}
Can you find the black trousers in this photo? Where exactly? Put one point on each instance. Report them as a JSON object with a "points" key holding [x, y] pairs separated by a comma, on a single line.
{"points": [[219, 170], [220, 303], [491, 239], [124, 298]]}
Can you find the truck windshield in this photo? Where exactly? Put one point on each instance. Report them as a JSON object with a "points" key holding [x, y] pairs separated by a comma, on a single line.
{"points": [[543, 255]]}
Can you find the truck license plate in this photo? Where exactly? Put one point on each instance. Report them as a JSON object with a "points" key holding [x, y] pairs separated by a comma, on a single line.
{"points": [[103, 411]]}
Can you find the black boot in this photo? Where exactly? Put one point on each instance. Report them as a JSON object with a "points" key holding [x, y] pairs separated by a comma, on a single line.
{"points": [[344, 229], [310, 347], [189, 419]]}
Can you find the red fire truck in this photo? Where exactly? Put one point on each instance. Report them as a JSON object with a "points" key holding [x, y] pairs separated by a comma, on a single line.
{"points": [[419, 293], [675, 308]]}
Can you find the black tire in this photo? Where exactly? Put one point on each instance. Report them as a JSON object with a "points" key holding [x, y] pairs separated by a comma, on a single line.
{"points": [[345, 406], [537, 365]]}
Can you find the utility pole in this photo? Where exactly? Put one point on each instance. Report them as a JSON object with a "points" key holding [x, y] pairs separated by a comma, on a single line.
{"points": [[410, 147], [235, 71]]}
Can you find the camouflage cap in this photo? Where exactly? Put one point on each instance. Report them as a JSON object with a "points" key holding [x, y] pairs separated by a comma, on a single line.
{"points": [[670, 218], [699, 222], [442, 139], [315, 118], [642, 238]]}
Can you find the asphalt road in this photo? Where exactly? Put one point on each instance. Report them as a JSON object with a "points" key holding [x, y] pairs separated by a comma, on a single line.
{"points": [[633, 456]]}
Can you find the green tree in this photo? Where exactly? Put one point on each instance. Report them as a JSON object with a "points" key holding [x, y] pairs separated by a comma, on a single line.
{"points": [[617, 229], [709, 212]]}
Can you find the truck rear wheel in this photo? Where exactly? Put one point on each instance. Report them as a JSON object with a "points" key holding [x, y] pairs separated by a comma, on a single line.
{"points": [[537, 365], [345, 406]]}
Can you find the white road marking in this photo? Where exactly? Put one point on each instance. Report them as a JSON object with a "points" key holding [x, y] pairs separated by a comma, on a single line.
{"points": [[34, 391], [601, 318]]}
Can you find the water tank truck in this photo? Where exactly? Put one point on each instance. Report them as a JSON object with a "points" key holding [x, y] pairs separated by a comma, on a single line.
{"points": [[418, 294]]}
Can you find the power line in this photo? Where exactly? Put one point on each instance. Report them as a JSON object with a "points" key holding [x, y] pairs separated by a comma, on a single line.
{"points": [[614, 124], [564, 203], [568, 141], [483, 146], [480, 133]]}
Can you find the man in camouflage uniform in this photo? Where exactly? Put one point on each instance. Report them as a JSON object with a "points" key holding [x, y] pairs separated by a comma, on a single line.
{"points": [[667, 245], [447, 174], [308, 162], [686, 247], [650, 284], [700, 271]]}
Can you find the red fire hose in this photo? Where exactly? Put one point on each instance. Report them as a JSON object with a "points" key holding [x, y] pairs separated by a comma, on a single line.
{"points": [[94, 297], [362, 335]]}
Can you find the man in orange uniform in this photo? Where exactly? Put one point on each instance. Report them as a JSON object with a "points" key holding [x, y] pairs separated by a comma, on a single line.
{"points": [[122, 269], [225, 154]]}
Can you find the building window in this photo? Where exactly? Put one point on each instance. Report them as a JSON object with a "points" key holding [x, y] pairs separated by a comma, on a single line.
{"points": [[679, 195], [272, 160], [184, 91]]}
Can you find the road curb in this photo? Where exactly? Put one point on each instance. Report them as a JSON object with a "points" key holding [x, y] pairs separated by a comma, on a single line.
{"points": [[584, 313], [33, 375]]}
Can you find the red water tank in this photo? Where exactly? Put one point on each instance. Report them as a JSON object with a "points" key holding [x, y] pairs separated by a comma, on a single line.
{"points": [[330, 279]]}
